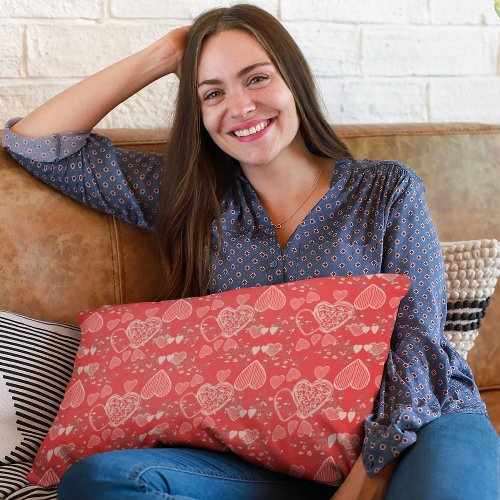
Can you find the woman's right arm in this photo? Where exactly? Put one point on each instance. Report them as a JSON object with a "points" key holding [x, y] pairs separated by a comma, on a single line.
{"points": [[83, 105], [55, 144]]}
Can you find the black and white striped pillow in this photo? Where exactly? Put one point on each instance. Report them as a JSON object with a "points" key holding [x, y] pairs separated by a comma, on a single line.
{"points": [[471, 269], [36, 363], [15, 486]]}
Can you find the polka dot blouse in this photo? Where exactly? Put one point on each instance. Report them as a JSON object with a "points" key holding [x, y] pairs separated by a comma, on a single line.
{"points": [[374, 219]]}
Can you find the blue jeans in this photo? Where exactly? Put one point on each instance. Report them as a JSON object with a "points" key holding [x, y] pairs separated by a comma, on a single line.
{"points": [[455, 457]]}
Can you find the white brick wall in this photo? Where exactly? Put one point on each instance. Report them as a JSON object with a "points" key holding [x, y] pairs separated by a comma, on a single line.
{"points": [[375, 61]]}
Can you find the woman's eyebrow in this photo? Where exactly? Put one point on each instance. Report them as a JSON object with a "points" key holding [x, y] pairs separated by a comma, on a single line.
{"points": [[242, 72]]}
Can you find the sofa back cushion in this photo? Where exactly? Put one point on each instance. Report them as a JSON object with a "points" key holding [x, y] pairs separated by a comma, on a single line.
{"points": [[48, 248]]}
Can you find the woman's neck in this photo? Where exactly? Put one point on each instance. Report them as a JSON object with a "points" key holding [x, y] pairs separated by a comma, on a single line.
{"points": [[288, 175], [290, 187]]}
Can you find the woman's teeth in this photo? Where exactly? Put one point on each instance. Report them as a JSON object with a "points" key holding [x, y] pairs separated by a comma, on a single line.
{"points": [[252, 130]]}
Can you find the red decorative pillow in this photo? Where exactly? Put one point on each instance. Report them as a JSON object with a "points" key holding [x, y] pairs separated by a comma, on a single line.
{"points": [[281, 375]]}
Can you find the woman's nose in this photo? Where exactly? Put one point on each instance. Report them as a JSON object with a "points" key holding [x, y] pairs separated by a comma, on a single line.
{"points": [[240, 104]]}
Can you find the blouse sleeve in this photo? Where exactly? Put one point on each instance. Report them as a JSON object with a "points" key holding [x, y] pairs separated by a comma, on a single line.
{"points": [[88, 168], [423, 376]]}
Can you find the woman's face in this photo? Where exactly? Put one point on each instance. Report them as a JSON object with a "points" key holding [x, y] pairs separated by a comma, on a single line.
{"points": [[246, 106]]}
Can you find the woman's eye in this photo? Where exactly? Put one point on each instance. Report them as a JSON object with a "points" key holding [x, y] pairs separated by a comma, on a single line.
{"points": [[211, 95], [258, 79]]}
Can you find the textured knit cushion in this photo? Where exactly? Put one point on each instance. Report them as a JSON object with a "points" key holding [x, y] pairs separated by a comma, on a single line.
{"points": [[471, 268], [283, 376], [36, 362]]}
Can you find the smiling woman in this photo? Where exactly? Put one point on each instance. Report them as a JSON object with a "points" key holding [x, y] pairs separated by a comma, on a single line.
{"points": [[256, 189], [247, 71]]}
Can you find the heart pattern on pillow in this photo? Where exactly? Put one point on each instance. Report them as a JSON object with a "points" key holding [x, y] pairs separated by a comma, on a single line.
{"points": [[295, 366], [327, 317]]}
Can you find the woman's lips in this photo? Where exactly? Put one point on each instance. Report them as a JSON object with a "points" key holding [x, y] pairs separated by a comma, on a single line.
{"points": [[253, 136]]}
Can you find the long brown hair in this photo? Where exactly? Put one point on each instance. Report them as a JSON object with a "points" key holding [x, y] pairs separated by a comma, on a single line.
{"points": [[199, 176]]}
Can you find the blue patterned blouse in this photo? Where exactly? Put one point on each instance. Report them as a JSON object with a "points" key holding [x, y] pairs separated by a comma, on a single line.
{"points": [[374, 219]]}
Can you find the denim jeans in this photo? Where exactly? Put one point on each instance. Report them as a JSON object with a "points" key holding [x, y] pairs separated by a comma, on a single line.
{"points": [[455, 457]]}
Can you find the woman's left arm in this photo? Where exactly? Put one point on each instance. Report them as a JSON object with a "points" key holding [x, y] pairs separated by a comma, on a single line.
{"points": [[416, 382], [423, 375], [417, 364]]}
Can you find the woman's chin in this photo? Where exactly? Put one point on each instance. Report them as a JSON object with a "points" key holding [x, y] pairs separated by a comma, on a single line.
{"points": [[256, 160], [254, 165]]}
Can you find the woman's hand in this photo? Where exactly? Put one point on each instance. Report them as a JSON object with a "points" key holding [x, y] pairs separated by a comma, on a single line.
{"points": [[358, 486], [173, 44]]}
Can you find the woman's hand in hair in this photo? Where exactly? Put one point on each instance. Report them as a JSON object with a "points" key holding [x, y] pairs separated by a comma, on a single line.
{"points": [[179, 39], [172, 47], [359, 486]]}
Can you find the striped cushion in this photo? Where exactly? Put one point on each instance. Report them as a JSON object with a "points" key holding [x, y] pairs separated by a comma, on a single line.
{"points": [[15, 486], [472, 269], [36, 362]]}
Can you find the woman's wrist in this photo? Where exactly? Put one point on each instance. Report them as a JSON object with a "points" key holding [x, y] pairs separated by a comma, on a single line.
{"points": [[359, 486], [157, 60]]}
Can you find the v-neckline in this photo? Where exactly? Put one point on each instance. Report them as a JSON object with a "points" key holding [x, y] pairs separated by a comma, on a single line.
{"points": [[267, 222]]}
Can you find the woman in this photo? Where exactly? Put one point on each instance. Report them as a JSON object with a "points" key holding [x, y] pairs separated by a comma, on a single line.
{"points": [[257, 190]]}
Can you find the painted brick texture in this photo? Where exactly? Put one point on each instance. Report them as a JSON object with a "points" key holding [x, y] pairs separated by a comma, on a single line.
{"points": [[376, 61]]}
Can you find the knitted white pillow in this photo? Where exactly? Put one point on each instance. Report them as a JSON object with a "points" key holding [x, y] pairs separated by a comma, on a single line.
{"points": [[471, 268]]}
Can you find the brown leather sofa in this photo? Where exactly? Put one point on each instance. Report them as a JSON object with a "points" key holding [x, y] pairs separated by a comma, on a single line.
{"points": [[57, 257]]}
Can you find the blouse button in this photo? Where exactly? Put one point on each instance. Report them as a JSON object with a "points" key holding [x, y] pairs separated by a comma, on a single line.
{"points": [[274, 264]]}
